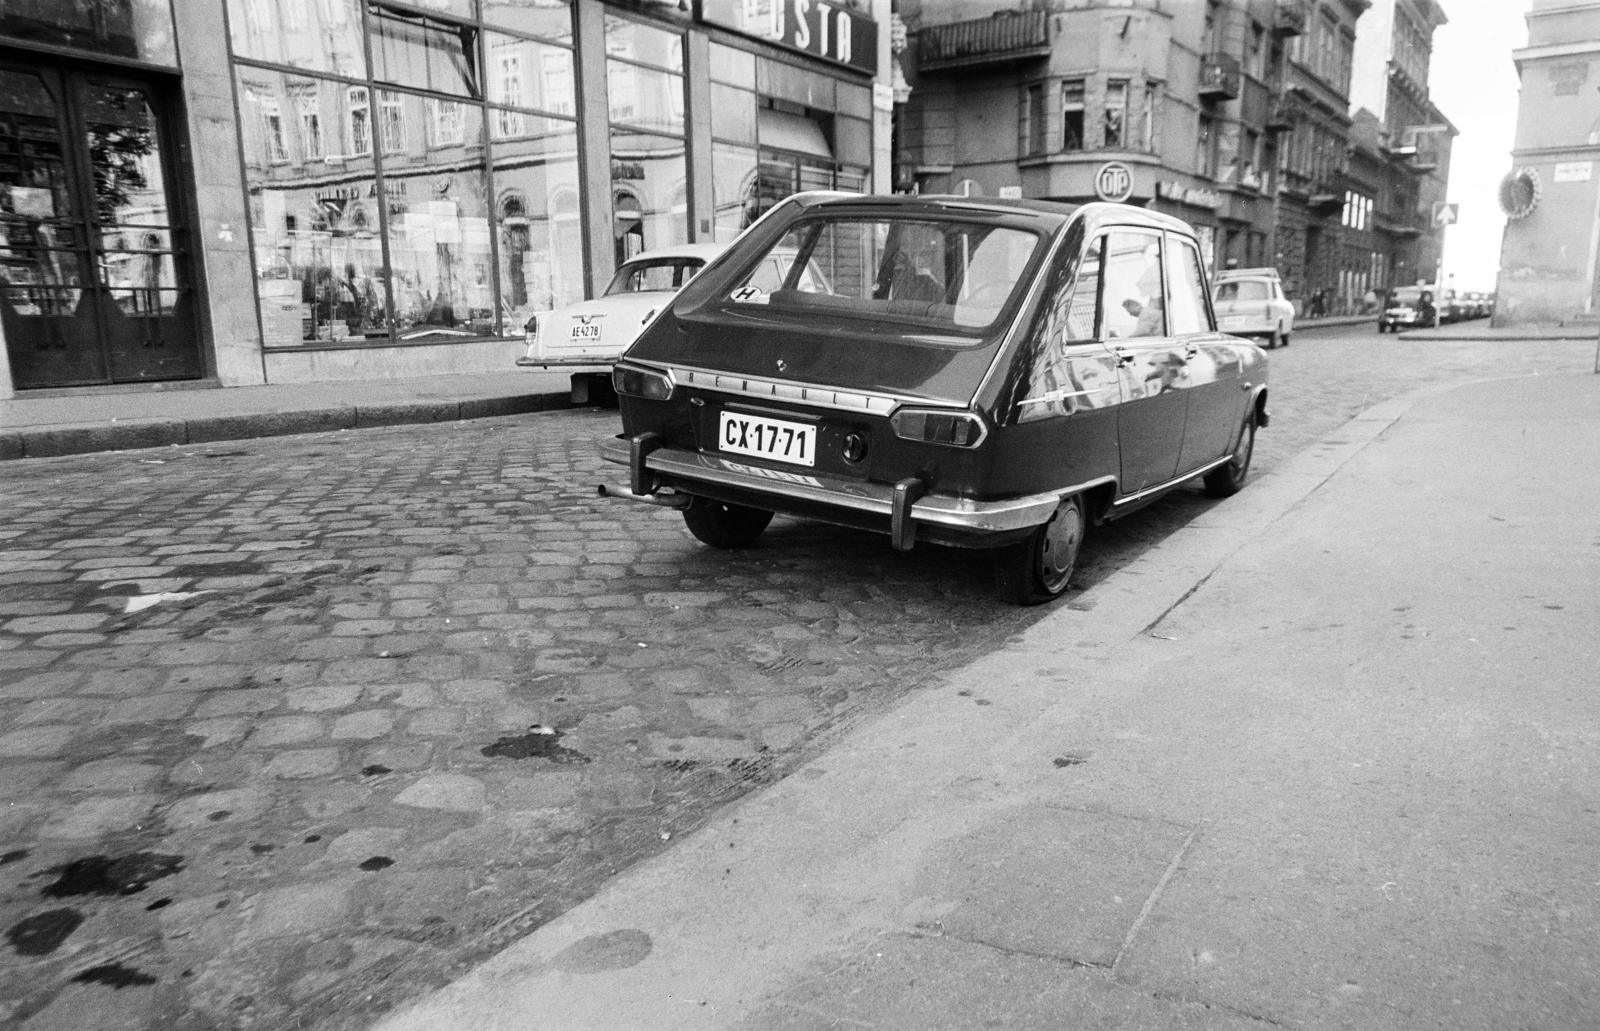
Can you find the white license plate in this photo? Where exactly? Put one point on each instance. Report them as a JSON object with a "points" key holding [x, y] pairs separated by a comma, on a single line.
{"points": [[583, 332], [792, 442]]}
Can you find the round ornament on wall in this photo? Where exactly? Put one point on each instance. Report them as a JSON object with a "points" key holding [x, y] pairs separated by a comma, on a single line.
{"points": [[1519, 192]]}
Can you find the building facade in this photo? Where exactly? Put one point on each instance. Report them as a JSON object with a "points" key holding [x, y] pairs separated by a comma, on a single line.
{"points": [[1235, 115], [352, 189], [1394, 51], [1550, 255]]}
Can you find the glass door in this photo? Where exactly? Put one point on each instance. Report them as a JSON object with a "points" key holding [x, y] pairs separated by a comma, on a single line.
{"points": [[95, 283]]}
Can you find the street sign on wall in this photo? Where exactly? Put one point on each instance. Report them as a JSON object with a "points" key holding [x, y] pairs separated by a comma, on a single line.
{"points": [[1445, 214]]}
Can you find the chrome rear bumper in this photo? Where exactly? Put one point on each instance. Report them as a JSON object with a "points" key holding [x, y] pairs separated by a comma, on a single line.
{"points": [[896, 503]]}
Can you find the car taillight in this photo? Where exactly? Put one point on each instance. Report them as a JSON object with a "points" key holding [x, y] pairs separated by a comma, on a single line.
{"points": [[633, 381], [935, 426]]}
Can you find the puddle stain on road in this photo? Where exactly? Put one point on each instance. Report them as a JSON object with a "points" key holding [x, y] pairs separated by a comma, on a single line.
{"points": [[43, 933], [103, 875], [114, 975], [540, 742]]}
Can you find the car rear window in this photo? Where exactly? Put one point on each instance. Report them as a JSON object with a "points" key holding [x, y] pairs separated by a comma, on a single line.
{"points": [[955, 276], [660, 274], [1243, 290]]}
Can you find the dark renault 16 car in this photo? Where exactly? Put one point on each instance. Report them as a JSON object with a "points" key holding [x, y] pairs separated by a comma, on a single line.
{"points": [[967, 372]]}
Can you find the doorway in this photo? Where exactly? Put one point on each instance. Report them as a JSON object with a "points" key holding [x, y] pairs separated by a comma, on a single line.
{"points": [[96, 279]]}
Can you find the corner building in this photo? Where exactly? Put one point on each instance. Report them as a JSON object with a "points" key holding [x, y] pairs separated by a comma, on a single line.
{"points": [[1234, 115], [227, 192], [1550, 254]]}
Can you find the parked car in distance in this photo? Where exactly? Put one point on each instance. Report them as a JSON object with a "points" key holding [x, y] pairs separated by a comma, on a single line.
{"points": [[589, 335], [1409, 307], [1250, 303], [961, 371]]}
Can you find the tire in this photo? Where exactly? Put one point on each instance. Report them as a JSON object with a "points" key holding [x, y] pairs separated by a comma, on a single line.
{"points": [[1228, 479], [1039, 569], [1283, 337], [722, 525]]}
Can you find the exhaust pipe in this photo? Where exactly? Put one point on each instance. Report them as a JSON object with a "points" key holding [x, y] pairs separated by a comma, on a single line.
{"points": [[673, 500]]}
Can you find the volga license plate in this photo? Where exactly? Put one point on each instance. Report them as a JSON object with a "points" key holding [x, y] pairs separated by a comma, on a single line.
{"points": [[586, 332], [741, 434]]}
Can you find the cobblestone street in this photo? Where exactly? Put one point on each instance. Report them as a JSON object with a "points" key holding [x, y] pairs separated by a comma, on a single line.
{"points": [[295, 729]]}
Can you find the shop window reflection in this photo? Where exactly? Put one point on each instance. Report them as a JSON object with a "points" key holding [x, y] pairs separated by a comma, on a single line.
{"points": [[541, 243], [438, 217]]}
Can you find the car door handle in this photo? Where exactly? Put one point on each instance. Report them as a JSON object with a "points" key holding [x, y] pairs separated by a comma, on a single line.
{"points": [[1124, 356], [1191, 349]]}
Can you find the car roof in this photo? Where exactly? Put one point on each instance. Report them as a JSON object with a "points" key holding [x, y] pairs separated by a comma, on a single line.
{"points": [[1247, 273], [703, 251], [1053, 214]]}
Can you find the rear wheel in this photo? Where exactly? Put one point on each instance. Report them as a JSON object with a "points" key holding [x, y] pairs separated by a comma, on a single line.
{"points": [[1228, 479], [1039, 568], [722, 525]]}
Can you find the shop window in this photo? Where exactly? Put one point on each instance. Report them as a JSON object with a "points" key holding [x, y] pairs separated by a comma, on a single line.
{"points": [[733, 189], [733, 113], [423, 51], [439, 245], [649, 164], [541, 249], [551, 19], [345, 259], [556, 68]]}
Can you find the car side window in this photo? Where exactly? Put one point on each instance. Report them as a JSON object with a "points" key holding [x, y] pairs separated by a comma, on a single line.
{"points": [[1064, 376], [1187, 312], [1133, 289]]}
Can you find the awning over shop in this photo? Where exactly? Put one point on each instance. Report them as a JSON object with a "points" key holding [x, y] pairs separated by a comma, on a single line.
{"points": [[780, 130]]}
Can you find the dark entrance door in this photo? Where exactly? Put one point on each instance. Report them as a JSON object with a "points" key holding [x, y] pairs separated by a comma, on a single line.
{"points": [[96, 283]]}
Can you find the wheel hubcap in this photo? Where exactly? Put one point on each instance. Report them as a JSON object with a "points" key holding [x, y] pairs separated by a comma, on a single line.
{"points": [[1058, 552]]}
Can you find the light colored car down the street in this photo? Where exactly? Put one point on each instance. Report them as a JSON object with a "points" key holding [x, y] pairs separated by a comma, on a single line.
{"points": [[588, 336], [1249, 302]]}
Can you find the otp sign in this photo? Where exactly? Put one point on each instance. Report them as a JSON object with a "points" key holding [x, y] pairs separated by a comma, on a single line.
{"points": [[1114, 182]]}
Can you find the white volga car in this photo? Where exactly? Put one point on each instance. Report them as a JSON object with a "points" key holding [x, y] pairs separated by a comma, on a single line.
{"points": [[589, 335]]}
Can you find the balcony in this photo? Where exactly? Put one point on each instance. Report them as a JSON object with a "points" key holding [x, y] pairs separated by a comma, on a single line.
{"points": [[1220, 77], [1006, 38], [1282, 116], [1289, 18]]}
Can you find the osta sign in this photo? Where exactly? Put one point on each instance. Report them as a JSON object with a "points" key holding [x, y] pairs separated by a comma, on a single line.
{"points": [[1114, 182]]}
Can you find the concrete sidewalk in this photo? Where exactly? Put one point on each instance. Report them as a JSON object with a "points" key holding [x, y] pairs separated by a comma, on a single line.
{"points": [[115, 420], [1325, 758]]}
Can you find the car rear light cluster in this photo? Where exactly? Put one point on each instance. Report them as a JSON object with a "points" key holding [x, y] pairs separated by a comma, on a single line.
{"points": [[955, 429], [633, 381]]}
